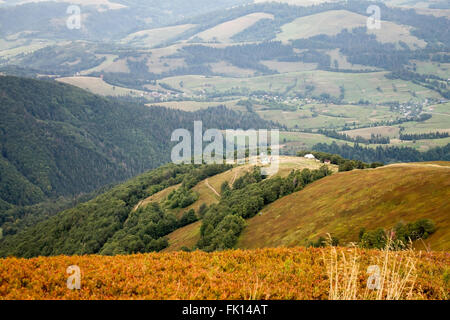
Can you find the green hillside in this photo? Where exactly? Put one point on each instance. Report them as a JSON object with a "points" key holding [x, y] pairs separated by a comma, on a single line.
{"points": [[108, 224], [237, 207]]}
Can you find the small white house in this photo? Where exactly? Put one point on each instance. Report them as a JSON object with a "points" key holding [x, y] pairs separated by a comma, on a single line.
{"points": [[309, 156]]}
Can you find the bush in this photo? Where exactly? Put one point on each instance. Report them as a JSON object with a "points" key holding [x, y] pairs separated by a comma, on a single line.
{"points": [[374, 239], [187, 218], [323, 242], [402, 234], [420, 229]]}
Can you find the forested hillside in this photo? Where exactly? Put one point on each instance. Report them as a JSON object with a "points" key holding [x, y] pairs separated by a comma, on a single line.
{"points": [[56, 139]]}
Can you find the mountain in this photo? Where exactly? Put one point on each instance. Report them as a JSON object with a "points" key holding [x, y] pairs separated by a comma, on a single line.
{"points": [[47, 19], [58, 140], [309, 67]]}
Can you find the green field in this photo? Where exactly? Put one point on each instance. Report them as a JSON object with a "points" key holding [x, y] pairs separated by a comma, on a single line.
{"points": [[440, 120], [429, 67]]}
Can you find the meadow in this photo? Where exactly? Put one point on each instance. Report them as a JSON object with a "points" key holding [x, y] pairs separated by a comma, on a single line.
{"points": [[98, 86], [197, 105]]}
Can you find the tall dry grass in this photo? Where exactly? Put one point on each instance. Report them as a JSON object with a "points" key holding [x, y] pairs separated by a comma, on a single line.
{"points": [[396, 274]]}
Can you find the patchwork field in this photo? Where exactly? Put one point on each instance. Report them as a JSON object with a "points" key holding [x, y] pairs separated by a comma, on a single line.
{"points": [[11, 47], [385, 131], [229, 70], [285, 67], [297, 2], [342, 62], [328, 116], [304, 141], [109, 65], [440, 120], [372, 86], [428, 67]]}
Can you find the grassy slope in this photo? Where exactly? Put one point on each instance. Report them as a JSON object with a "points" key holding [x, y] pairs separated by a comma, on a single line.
{"points": [[98, 86], [334, 21], [224, 31], [343, 203], [187, 236]]}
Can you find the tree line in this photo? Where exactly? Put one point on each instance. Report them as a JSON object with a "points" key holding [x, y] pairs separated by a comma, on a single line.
{"points": [[421, 136], [385, 154], [374, 138]]}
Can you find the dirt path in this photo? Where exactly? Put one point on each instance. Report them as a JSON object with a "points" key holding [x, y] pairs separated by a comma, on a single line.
{"points": [[234, 178], [138, 205], [213, 190]]}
